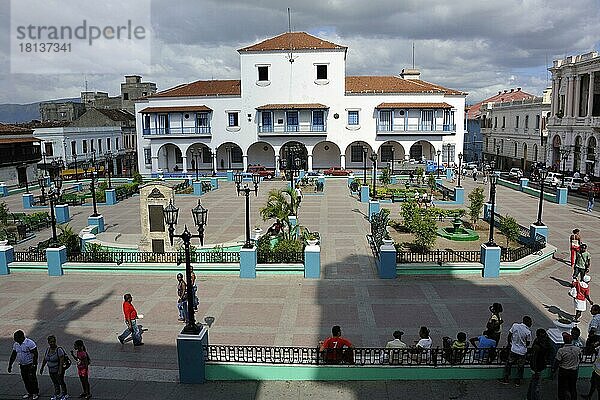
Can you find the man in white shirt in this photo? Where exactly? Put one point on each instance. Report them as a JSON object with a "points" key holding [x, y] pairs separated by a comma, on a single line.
{"points": [[25, 352], [519, 338], [595, 322]]}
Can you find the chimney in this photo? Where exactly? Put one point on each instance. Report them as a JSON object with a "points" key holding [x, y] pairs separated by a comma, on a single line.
{"points": [[512, 90], [505, 91], [518, 89], [499, 91], [410, 74]]}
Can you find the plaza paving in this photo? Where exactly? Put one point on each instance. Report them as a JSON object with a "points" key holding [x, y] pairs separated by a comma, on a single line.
{"points": [[289, 310]]}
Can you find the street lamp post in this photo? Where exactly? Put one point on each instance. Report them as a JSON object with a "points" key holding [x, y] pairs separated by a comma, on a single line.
{"points": [[41, 182], [392, 169], [564, 153], [543, 174], [108, 160], [364, 165], [439, 153], [460, 156], [93, 189], [373, 159], [75, 160], [26, 179], [195, 154], [45, 166], [54, 198], [246, 191], [493, 181], [200, 215]]}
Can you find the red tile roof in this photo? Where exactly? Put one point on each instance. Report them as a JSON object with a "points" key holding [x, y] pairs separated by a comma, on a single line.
{"points": [[506, 95], [6, 129], [294, 41], [393, 84], [301, 106], [413, 105], [175, 109], [203, 88]]}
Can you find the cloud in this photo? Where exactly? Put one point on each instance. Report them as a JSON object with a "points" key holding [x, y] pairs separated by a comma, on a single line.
{"points": [[478, 47]]}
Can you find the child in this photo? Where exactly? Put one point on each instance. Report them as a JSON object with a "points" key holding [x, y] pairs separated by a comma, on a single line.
{"points": [[83, 361]]}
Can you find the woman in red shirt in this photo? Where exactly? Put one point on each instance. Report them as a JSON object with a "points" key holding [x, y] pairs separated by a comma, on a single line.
{"points": [[583, 294], [575, 242]]}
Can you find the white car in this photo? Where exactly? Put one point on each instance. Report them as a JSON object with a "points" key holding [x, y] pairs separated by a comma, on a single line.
{"points": [[515, 173], [553, 179], [573, 184], [470, 166]]}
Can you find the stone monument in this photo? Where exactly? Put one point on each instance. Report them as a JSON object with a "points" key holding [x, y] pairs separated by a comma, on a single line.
{"points": [[154, 197]]}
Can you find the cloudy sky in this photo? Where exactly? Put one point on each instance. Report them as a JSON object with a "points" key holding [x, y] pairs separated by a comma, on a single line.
{"points": [[480, 47]]}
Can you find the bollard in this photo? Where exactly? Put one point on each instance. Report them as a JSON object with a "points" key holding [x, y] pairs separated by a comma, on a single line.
{"points": [[523, 183], [248, 261], [27, 200], [459, 195], [561, 195], [490, 258], [229, 176], [312, 261], [7, 255], [197, 188], [3, 190], [56, 257], [214, 183], [62, 213], [387, 260], [374, 208], [364, 194], [111, 197], [97, 221]]}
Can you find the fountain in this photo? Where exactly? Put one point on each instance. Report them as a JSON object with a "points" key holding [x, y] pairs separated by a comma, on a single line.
{"points": [[457, 232]]}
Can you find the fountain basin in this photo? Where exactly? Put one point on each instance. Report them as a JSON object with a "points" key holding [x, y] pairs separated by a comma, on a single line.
{"points": [[458, 234]]}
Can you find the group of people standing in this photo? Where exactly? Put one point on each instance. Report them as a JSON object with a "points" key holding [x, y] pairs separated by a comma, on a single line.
{"points": [[182, 302], [57, 360], [580, 263]]}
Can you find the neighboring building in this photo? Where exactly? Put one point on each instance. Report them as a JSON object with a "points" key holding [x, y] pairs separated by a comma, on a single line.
{"points": [[294, 97], [100, 100], [574, 127], [134, 89], [473, 147], [514, 132], [61, 112], [20, 154]]}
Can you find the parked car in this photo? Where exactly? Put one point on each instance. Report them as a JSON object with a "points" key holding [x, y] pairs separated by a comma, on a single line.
{"points": [[337, 171], [590, 186], [262, 171], [573, 184], [515, 173], [470, 166], [553, 179], [431, 166]]}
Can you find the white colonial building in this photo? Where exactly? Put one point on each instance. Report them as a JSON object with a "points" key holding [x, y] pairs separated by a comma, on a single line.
{"points": [[294, 96], [574, 128]]}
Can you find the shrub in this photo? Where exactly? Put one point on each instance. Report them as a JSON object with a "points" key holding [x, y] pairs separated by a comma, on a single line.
{"points": [[510, 228], [476, 199], [137, 178], [385, 176], [408, 210], [424, 229]]}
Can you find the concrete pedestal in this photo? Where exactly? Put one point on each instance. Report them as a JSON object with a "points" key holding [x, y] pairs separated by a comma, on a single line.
{"points": [[111, 197], [7, 255], [248, 261], [190, 357], [3, 190], [197, 188], [538, 229], [214, 183], [62, 214], [364, 194], [561, 196], [27, 200], [230, 176], [459, 195], [523, 183], [312, 262], [56, 257], [374, 207], [97, 221], [387, 261], [449, 174], [490, 258]]}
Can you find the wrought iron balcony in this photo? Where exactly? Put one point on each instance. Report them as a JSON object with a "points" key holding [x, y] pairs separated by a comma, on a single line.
{"points": [[287, 129], [410, 128], [179, 130]]}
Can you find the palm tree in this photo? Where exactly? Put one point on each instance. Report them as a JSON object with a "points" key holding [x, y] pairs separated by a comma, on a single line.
{"points": [[280, 205]]}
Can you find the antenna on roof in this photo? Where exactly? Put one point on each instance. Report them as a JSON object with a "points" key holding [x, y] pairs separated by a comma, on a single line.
{"points": [[85, 82], [290, 55], [413, 54], [289, 21], [547, 70]]}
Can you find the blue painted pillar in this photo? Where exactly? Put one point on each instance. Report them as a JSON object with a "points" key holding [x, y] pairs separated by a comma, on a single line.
{"points": [[387, 261], [27, 200], [535, 229], [490, 258], [364, 194], [229, 176], [523, 183], [190, 357], [197, 188], [214, 183], [293, 223], [62, 213], [85, 239], [487, 211], [312, 262], [3, 190], [374, 207], [449, 174], [248, 261], [561, 195], [111, 197], [97, 221], [7, 255], [350, 180], [56, 257], [459, 195]]}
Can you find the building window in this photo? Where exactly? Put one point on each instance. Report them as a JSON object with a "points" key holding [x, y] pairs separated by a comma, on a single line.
{"points": [[92, 145], [353, 118], [178, 156], [526, 121], [517, 121], [84, 144], [356, 153], [321, 71], [267, 121], [292, 121], [503, 122], [236, 155], [263, 73], [427, 120], [147, 156], [73, 147], [386, 153], [318, 121], [385, 120], [99, 146], [116, 143], [125, 96], [163, 123], [233, 119], [516, 149], [206, 155], [108, 144], [537, 124], [202, 119], [448, 155], [146, 122], [48, 149], [495, 122]]}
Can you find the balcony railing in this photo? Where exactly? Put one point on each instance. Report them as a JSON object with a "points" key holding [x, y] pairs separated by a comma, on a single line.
{"points": [[185, 130], [382, 128], [292, 128]]}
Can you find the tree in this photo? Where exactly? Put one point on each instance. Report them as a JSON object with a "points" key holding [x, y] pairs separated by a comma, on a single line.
{"points": [[510, 229], [385, 176], [280, 205], [408, 209], [431, 183], [424, 229], [420, 174], [476, 198]]}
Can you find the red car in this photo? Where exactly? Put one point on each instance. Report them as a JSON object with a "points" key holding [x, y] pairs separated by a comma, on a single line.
{"points": [[262, 171], [337, 171], [590, 186]]}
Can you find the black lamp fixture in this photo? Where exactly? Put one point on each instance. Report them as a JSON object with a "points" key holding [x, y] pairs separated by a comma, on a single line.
{"points": [[42, 183], [543, 174], [239, 178], [93, 189], [439, 153], [108, 158], [76, 171], [373, 159], [200, 215], [493, 182]]}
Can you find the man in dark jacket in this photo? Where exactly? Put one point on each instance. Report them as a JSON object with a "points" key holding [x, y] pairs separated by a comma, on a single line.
{"points": [[540, 352]]}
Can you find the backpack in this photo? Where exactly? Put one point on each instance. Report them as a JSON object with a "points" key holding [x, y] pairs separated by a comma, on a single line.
{"points": [[66, 360]]}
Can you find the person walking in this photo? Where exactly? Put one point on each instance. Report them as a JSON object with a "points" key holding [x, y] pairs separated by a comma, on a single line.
{"points": [[567, 364], [57, 360], [575, 242], [25, 352], [583, 294], [519, 337], [494, 324], [131, 317], [181, 298], [583, 260], [82, 358], [540, 350], [590, 204]]}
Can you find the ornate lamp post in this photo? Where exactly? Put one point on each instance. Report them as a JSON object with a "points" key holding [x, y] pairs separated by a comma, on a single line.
{"points": [[195, 154], [246, 191], [493, 181], [26, 179], [108, 160], [93, 189], [439, 153], [460, 156], [392, 169], [200, 215], [54, 198], [543, 173], [365, 165], [565, 151], [42, 183], [373, 159], [76, 172]]}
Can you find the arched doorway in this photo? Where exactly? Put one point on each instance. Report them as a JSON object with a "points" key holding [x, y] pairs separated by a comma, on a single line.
{"points": [[261, 153], [422, 150], [577, 154], [201, 153], [325, 155], [535, 153], [391, 151], [170, 158], [556, 153], [590, 159], [230, 157], [291, 151], [355, 156]]}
